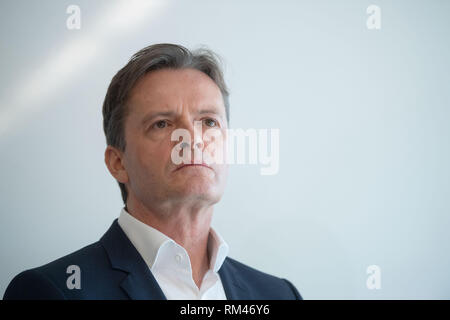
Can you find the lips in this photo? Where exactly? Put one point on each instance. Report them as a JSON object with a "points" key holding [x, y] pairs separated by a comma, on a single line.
{"points": [[192, 164]]}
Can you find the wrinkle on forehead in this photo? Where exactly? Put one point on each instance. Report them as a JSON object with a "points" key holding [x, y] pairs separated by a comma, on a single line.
{"points": [[174, 90]]}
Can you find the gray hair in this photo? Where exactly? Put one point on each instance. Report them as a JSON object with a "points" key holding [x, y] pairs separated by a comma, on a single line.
{"points": [[151, 58]]}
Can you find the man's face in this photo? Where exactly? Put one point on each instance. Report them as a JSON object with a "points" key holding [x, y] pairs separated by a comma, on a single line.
{"points": [[161, 102]]}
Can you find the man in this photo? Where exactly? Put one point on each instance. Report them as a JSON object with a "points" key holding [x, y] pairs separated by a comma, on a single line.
{"points": [[162, 245]]}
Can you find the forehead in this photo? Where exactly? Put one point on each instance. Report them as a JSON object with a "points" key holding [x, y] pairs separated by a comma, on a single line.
{"points": [[174, 88]]}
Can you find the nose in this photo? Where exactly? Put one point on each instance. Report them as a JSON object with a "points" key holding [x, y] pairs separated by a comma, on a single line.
{"points": [[186, 145], [196, 144], [195, 129], [198, 140]]}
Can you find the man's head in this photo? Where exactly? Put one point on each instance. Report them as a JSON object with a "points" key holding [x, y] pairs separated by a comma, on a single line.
{"points": [[162, 88]]}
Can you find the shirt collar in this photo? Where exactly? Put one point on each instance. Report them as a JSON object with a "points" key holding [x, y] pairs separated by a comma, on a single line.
{"points": [[217, 250], [148, 241]]}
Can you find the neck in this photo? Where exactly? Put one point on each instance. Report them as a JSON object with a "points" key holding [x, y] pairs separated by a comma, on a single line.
{"points": [[187, 225]]}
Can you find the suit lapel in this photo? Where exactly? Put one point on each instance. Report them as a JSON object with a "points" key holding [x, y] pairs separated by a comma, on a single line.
{"points": [[234, 286], [140, 284]]}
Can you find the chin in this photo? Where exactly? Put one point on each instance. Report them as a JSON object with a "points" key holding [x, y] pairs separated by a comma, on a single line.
{"points": [[201, 192]]}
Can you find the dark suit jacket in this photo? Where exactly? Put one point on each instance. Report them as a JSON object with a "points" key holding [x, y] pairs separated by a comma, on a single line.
{"points": [[112, 268]]}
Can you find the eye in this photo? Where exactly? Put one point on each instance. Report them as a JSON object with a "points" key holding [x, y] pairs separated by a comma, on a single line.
{"points": [[161, 124], [210, 122]]}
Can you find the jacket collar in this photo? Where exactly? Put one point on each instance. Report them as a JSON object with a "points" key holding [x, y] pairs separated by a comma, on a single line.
{"points": [[140, 284], [233, 284]]}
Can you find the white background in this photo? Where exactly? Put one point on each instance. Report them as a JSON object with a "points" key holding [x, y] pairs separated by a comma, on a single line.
{"points": [[364, 135]]}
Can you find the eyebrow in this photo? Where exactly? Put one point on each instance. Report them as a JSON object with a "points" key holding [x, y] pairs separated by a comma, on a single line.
{"points": [[213, 111], [152, 115]]}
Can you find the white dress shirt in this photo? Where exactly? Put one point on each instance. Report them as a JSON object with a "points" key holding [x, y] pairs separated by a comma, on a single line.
{"points": [[170, 264]]}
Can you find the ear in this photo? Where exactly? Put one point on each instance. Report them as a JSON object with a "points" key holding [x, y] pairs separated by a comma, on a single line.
{"points": [[114, 162]]}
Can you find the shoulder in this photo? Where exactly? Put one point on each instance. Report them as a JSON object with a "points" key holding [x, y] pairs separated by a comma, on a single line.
{"points": [[264, 285], [32, 284], [49, 281]]}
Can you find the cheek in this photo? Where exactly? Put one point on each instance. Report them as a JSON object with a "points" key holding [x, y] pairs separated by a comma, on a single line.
{"points": [[215, 148], [154, 158], [138, 160]]}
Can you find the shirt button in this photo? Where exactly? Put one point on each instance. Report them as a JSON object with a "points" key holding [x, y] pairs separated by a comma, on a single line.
{"points": [[178, 257]]}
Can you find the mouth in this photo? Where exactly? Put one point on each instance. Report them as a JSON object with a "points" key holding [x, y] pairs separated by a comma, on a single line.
{"points": [[192, 165]]}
